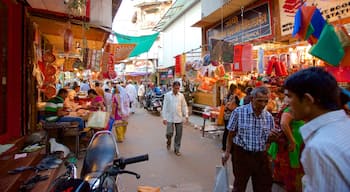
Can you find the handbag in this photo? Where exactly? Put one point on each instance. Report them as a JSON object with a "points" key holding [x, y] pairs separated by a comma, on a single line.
{"points": [[98, 119], [221, 180]]}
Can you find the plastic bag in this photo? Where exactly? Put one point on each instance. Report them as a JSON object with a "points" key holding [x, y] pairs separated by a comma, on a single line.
{"points": [[221, 180], [98, 119]]}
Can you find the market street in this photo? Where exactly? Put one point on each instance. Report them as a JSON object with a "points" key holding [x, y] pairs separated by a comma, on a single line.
{"points": [[193, 171]]}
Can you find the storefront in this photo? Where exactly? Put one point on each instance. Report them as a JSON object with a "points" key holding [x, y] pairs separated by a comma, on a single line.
{"points": [[254, 44], [39, 41]]}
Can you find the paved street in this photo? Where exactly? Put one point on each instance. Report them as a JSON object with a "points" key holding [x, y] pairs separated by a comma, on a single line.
{"points": [[193, 171]]}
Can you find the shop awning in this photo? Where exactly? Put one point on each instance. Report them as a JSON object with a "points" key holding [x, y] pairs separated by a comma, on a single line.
{"points": [[226, 10]]}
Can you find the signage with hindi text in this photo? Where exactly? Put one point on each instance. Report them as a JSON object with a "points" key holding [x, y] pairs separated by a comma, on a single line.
{"points": [[256, 23]]}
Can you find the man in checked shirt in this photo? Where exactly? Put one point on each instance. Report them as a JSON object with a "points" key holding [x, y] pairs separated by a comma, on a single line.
{"points": [[249, 128]]}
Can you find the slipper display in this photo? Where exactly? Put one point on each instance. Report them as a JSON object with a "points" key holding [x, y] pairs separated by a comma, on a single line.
{"points": [[49, 162], [20, 169]]}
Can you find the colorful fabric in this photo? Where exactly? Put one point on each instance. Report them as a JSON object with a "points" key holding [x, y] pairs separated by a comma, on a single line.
{"points": [[302, 22], [251, 132], [143, 43], [287, 168], [317, 22], [51, 108], [117, 116], [328, 47], [95, 103]]}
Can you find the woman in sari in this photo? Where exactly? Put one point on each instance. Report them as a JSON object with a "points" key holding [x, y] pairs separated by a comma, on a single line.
{"points": [[97, 102], [287, 168]]}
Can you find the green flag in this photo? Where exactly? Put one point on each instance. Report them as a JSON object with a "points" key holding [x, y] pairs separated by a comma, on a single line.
{"points": [[143, 43]]}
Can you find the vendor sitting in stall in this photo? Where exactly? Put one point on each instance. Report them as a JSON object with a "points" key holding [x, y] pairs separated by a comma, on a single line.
{"points": [[55, 112]]}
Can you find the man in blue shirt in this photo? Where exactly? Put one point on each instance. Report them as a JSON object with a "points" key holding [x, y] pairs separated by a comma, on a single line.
{"points": [[249, 129]]}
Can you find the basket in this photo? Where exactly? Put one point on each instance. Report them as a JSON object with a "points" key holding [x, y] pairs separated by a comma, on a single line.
{"points": [[120, 129]]}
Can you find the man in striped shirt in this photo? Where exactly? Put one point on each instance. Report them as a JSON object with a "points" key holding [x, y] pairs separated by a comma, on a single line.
{"points": [[313, 95], [54, 111], [249, 129]]}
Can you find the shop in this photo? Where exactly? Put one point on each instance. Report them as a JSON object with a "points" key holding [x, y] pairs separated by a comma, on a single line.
{"points": [[254, 45]]}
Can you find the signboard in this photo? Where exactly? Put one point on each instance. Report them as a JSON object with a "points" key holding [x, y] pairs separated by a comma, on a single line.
{"points": [[256, 23], [331, 11]]}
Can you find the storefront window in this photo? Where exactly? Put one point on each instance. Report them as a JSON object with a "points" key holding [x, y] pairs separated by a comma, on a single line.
{"points": [[3, 66]]}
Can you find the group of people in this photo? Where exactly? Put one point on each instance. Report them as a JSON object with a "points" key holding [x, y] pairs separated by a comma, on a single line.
{"points": [[114, 98], [306, 137]]}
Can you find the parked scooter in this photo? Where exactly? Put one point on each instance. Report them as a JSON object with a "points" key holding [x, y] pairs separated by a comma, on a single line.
{"points": [[153, 102], [101, 167]]}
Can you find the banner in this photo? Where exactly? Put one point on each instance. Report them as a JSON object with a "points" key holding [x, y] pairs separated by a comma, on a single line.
{"points": [[331, 11], [178, 65], [120, 51], [256, 24]]}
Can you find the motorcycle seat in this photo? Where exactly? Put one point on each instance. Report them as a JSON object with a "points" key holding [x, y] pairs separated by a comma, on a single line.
{"points": [[100, 153]]}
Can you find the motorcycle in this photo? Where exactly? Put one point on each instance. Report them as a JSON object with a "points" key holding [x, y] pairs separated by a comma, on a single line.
{"points": [[101, 167], [153, 102]]}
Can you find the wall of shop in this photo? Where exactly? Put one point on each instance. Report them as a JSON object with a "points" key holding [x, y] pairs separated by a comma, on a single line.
{"points": [[180, 37], [11, 71]]}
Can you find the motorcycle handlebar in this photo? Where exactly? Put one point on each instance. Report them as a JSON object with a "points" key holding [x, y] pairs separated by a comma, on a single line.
{"points": [[136, 159]]}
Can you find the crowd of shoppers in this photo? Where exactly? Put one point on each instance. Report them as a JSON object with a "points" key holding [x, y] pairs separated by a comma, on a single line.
{"points": [[295, 135], [305, 134]]}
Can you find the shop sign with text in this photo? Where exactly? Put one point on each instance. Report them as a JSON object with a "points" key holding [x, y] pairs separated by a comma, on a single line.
{"points": [[331, 11], [256, 24]]}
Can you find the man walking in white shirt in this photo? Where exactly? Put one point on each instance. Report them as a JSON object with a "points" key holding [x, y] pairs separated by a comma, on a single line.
{"points": [[132, 93], [313, 95], [174, 108], [141, 93]]}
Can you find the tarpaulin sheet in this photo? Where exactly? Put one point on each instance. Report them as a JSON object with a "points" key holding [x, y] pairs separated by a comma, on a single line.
{"points": [[143, 43]]}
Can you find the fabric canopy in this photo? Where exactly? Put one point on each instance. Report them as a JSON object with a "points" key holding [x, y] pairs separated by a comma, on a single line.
{"points": [[143, 43]]}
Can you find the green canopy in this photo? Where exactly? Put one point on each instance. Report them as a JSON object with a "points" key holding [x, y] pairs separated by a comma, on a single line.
{"points": [[143, 43]]}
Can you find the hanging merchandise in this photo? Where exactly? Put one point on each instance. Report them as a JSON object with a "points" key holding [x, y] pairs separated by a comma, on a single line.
{"points": [[220, 71], [237, 58], [68, 40], [143, 43], [178, 64], [49, 58], [85, 58], [227, 67], [261, 60], [196, 65], [206, 60], [68, 64], [50, 91], [277, 66], [50, 70], [120, 51], [247, 58], [328, 47], [327, 44]]}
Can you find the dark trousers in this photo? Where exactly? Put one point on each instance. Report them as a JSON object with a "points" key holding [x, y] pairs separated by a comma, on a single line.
{"points": [[224, 136], [251, 164]]}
